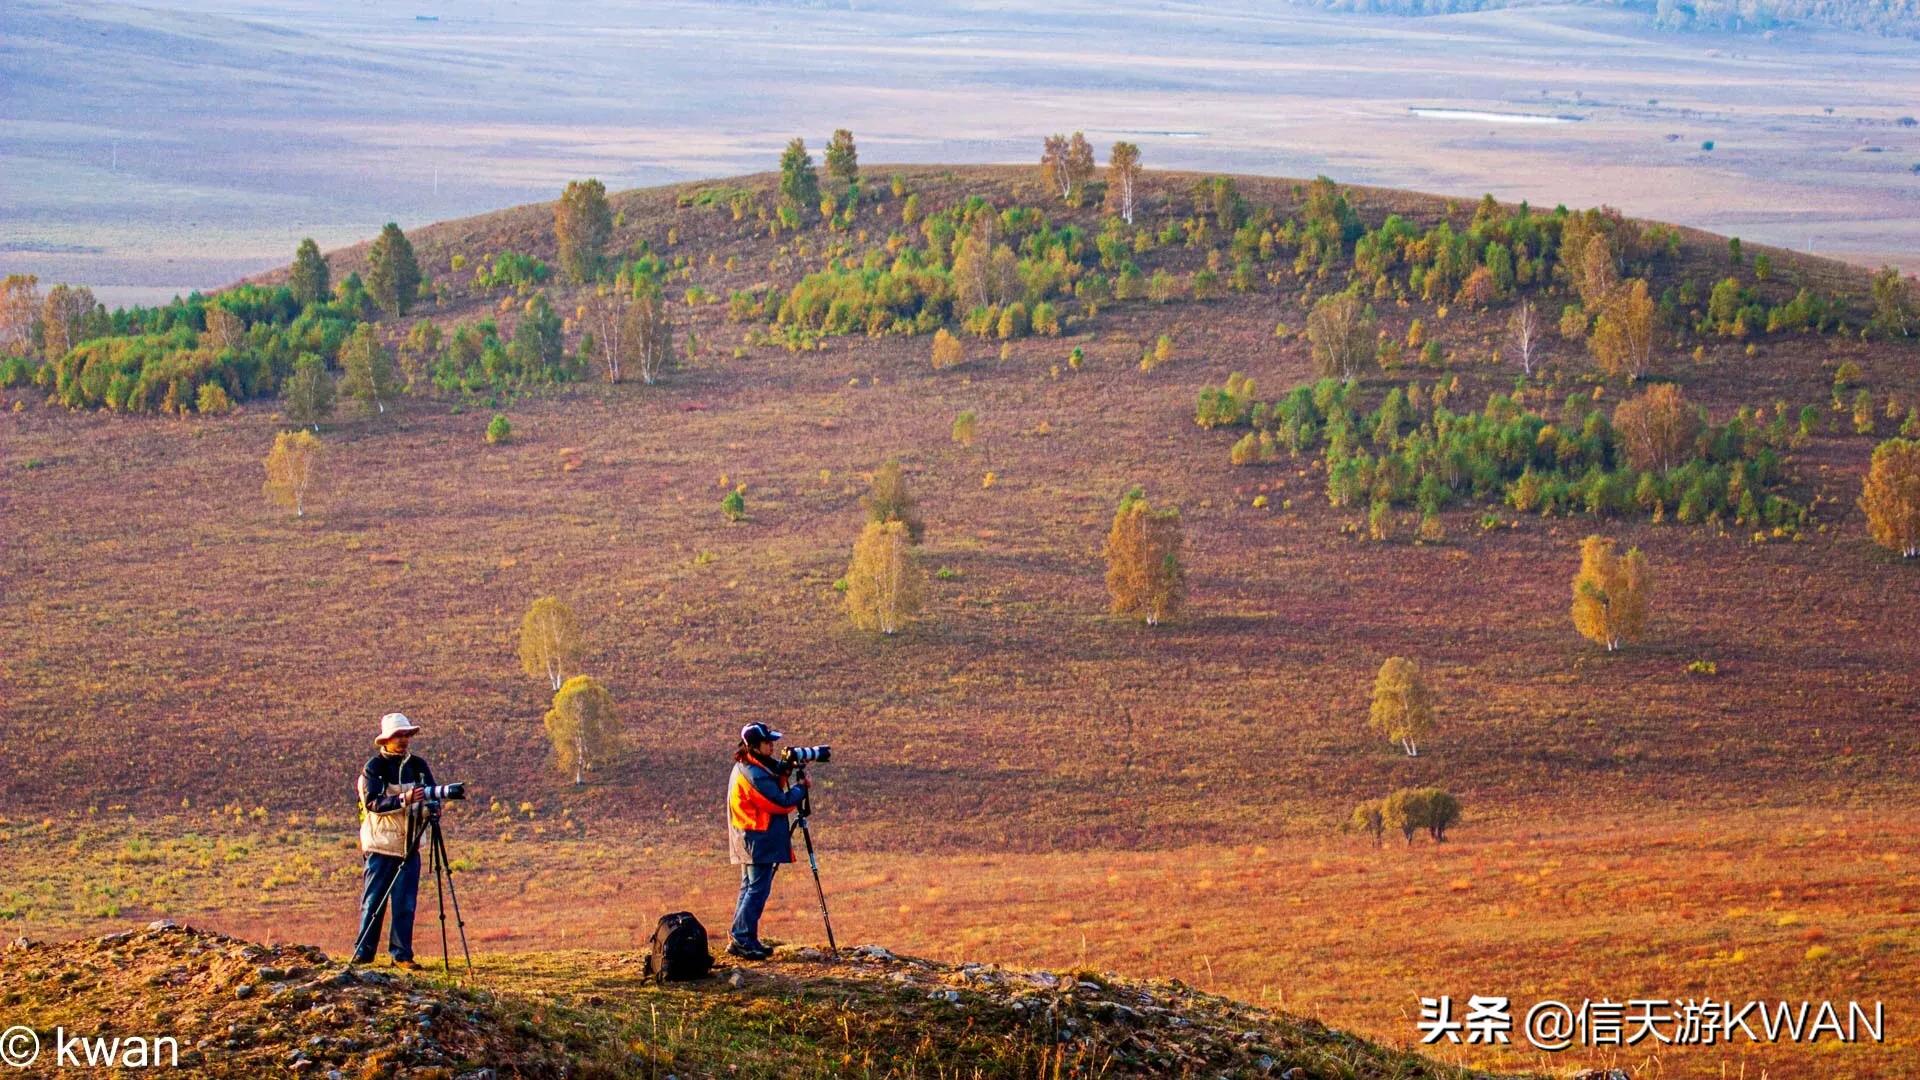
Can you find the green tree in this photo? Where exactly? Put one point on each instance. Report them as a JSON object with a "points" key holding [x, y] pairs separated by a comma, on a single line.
{"points": [[582, 227], [887, 499], [734, 505], [1896, 312], [1368, 818], [393, 274], [367, 370], [309, 280], [1412, 809], [537, 347], [583, 727], [307, 396], [799, 185], [843, 160]]}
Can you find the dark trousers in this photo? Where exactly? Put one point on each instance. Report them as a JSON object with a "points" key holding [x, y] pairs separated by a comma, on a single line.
{"points": [[380, 873], [756, 884]]}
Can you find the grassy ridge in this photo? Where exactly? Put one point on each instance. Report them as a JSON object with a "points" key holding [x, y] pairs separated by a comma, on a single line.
{"points": [[237, 1008]]}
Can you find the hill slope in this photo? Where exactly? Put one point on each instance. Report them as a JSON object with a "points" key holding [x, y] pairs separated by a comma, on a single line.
{"points": [[1634, 823], [240, 1009]]}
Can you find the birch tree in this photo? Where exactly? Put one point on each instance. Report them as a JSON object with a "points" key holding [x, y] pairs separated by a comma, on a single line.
{"points": [[1891, 496], [885, 583], [290, 469], [1402, 704], [549, 641], [1145, 576], [1523, 333], [367, 372], [1611, 593], [582, 727], [1343, 333], [1123, 179], [1622, 338]]}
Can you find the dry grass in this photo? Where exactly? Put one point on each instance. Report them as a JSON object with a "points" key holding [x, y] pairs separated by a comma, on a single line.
{"points": [[174, 646]]}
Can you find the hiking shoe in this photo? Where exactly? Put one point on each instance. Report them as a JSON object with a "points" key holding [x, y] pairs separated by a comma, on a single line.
{"points": [[755, 951], [410, 965]]}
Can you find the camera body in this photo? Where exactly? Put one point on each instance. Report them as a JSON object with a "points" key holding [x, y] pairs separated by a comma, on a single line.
{"points": [[807, 755]]}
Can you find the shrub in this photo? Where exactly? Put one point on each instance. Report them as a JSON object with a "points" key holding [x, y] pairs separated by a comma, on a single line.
{"points": [[1046, 319], [499, 429], [734, 505], [888, 499], [213, 400], [947, 351]]}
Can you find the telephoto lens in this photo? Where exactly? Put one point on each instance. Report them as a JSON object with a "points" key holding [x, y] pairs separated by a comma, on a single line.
{"points": [[807, 755], [444, 792]]}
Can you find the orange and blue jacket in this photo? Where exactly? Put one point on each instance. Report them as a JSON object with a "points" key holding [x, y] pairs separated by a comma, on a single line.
{"points": [[758, 802]]}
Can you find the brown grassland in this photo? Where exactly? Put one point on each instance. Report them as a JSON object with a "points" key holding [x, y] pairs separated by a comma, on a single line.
{"points": [[189, 677]]}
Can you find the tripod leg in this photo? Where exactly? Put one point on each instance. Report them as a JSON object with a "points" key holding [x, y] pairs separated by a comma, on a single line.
{"points": [[440, 841], [818, 889], [435, 857]]}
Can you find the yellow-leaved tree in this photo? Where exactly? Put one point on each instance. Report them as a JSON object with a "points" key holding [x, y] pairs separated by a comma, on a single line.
{"points": [[1610, 593], [290, 469], [1402, 704], [1144, 573], [549, 641], [1622, 341], [885, 582], [1891, 496], [582, 726]]}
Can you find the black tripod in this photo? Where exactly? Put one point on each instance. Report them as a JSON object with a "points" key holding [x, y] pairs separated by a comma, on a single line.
{"points": [[806, 808], [437, 851], [423, 822]]}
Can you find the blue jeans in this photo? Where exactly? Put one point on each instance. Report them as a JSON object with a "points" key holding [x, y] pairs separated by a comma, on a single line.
{"points": [[756, 883], [380, 873]]}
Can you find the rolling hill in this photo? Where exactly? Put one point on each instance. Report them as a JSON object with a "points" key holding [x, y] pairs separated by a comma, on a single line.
{"points": [[192, 675]]}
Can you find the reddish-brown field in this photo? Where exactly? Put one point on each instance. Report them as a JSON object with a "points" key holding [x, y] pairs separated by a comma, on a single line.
{"points": [[191, 677]]}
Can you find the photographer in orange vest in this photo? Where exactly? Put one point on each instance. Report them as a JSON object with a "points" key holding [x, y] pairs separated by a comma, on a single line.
{"points": [[759, 836]]}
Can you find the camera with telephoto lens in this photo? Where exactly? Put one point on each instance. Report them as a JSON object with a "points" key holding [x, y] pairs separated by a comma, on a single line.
{"points": [[443, 792], [807, 755]]}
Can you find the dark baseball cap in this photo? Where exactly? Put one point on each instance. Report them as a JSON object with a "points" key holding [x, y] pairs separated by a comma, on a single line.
{"points": [[754, 733]]}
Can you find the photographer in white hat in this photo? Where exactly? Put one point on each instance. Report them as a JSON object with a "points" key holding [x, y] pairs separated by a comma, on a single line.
{"points": [[389, 788]]}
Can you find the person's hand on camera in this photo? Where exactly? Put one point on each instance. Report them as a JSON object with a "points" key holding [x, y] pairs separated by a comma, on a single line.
{"points": [[413, 795], [805, 781]]}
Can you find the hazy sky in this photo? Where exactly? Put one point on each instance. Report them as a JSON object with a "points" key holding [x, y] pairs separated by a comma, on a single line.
{"points": [[153, 148]]}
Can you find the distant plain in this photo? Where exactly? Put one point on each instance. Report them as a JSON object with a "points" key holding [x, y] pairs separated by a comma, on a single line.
{"points": [[150, 149]]}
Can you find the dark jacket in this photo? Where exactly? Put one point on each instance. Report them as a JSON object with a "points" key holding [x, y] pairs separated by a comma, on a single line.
{"points": [[382, 787], [759, 801]]}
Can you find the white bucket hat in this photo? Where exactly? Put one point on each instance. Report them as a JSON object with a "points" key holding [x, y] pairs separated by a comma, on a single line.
{"points": [[394, 724]]}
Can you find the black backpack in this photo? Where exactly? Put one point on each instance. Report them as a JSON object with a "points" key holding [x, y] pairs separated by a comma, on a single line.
{"points": [[678, 950]]}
